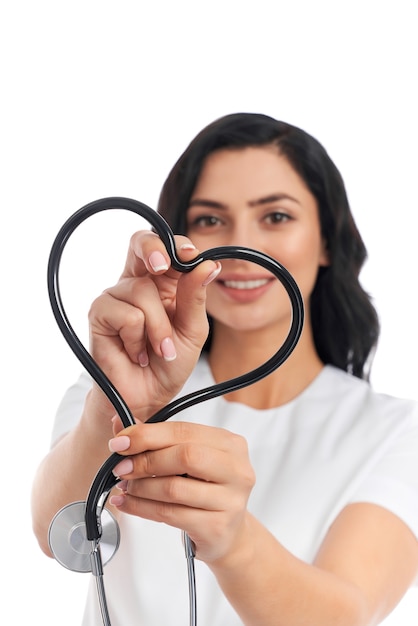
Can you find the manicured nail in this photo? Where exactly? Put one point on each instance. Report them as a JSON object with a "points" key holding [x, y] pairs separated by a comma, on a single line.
{"points": [[124, 467], [118, 444], [157, 261], [187, 246], [168, 350], [122, 485], [117, 500], [143, 358], [212, 275]]}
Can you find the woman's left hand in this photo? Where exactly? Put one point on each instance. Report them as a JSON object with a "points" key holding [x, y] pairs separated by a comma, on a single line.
{"points": [[193, 477]]}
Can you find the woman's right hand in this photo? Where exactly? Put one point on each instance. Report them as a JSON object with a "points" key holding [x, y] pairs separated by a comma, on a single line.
{"points": [[147, 332]]}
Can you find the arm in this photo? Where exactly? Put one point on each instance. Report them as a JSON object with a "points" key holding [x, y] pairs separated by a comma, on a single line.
{"points": [[366, 563], [152, 316], [66, 473]]}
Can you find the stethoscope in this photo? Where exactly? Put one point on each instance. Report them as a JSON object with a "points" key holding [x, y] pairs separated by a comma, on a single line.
{"points": [[84, 536]]}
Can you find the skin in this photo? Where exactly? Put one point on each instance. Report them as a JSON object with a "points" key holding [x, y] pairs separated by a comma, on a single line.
{"points": [[250, 197], [254, 198]]}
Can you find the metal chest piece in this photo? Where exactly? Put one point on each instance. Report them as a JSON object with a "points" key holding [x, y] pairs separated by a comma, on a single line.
{"points": [[68, 540]]}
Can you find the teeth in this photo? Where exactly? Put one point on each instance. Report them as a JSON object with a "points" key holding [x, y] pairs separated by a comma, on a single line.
{"points": [[245, 284]]}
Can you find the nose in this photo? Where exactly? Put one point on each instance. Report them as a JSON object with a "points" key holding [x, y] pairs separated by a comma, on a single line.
{"points": [[245, 234]]}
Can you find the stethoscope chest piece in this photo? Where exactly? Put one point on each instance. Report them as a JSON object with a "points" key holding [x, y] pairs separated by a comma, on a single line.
{"points": [[68, 539]]}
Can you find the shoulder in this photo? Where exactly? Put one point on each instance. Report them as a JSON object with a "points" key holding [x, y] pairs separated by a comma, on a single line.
{"points": [[352, 404], [340, 385]]}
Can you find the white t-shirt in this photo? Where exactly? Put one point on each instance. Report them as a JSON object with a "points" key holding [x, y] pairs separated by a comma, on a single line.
{"points": [[338, 442]]}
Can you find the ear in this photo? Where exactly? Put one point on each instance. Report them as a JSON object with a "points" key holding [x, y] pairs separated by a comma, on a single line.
{"points": [[324, 257]]}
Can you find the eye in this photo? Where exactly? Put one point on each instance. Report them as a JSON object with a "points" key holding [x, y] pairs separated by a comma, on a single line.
{"points": [[204, 221], [276, 217]]}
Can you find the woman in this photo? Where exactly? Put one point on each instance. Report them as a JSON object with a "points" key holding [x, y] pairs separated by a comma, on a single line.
{"points": [[301, 491]]}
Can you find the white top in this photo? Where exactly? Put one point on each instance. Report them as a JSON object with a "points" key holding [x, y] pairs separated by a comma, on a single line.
{"points": [[338, 442]]}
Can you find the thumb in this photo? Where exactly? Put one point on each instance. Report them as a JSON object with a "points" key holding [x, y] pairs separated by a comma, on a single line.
{"points": [[190, 317]]}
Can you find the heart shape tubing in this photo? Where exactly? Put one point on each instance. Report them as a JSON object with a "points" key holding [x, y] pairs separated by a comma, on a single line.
{"points": [[105, 480]]}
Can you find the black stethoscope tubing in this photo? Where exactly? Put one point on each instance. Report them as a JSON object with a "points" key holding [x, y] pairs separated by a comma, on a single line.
{"points": [[105, 480]]}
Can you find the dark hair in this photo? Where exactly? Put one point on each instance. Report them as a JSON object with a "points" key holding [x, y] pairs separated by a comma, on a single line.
{"points": [[344, 321]]}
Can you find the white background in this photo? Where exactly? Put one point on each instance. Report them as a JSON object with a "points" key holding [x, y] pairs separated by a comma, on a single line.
{"points": [[98, 99]]}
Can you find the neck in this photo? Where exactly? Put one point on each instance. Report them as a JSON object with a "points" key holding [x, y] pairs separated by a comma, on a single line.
{"points": [[235, 353]]}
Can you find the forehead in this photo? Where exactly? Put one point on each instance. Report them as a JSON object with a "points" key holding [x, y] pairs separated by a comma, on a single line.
{"points": [[248, 172]]}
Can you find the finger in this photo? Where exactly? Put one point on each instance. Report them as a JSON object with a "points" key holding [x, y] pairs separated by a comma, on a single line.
{"points": [[147, 253], [173, 514], [200, 462], [146, 322], [146, 437], [112, 317], [184, 491], [191, 317], [213, 532]]}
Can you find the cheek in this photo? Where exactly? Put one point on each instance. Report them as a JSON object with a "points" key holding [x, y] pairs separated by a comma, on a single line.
{"points": [[302, 258]]}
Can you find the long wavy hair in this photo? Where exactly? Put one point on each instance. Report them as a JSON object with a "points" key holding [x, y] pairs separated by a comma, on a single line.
{"points": [[344, 321]]}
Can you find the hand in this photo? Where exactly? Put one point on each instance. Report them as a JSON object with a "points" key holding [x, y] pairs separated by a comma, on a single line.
{"points": [[147, 331], [193, 477]]}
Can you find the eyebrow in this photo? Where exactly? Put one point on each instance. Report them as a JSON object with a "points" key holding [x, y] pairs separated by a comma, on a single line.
{"points": [[275, 197], [213, 204]]}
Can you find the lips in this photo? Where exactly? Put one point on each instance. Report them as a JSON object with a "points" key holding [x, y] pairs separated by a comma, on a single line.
{"points": [[245, 284], [244, 289]]}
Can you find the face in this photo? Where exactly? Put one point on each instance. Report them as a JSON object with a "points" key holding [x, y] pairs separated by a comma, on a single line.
{"points": [[253, 197]]}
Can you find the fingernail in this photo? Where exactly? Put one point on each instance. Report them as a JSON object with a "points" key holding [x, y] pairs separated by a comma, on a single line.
{"points": [[168, 350], [124, 467], [187, 246], [117, 500], [157, 261], [212, 275], [118, 444], [122, 485], [143, 359]]}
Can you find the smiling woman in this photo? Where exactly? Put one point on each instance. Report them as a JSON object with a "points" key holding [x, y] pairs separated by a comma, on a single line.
{"points": [[257, 200], [344, 321], [304, 485]]}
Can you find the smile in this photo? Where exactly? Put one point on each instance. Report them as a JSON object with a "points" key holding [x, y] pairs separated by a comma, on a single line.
{"points": [[245, 284]]}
